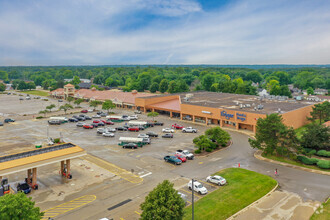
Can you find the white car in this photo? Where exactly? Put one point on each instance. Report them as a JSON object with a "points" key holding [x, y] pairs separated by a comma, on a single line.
{"points": [[168, 130], [185, 153], [219, 180], [90, 110], [108, 134], [108, 129], [133, 117], [143, 136], [189, 130], [198, 187], [96, 116]]}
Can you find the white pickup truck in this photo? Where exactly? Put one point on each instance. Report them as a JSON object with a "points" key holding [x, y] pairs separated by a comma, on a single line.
{"points": [[185, 153], [189, 130]]}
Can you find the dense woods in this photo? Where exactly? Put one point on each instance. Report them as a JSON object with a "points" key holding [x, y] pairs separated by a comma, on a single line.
{"points": [[173, 79]]}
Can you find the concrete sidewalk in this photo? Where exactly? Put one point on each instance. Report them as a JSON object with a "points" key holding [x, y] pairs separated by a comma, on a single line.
{"points": [[280, 205]]}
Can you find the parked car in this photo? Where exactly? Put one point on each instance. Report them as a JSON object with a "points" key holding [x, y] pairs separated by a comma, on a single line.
{"points": [[167, 136], [189, 130], [103, 114], [95, 125], [198, 187], [100, 123], [107, 122], [167, 130], [146, 140], [7, 120], [136, 129], [82, 115], [80, 124], [96, 121], [180, 157], [90, 110], [21, 98], [137, 112], [133, 117], [81, 118], [186, 153], [1, 124], [73, 120], [28, 98], [23, 187], [96, 116], [88, 117], [121, 129], [54, 122], [172, 159], [87, 126], [84, 111], [143, 136], [152, 134], [108, 134], [158, 123], [100, 130], [110, 129], [130, 145], [110, 122], [219, 180], [176, 126], [99, 112], [60, 100]]}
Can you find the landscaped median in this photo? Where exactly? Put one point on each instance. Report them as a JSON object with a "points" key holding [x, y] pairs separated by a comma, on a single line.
{"points": [[243, 188], [35, 92], [323, 212]]}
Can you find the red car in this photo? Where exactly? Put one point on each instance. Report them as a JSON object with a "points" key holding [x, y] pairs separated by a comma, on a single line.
{"points": [[180, 157], [176, 126], [88, 126], [107, 122], [84, 111], [96, 121], [136, 129]]}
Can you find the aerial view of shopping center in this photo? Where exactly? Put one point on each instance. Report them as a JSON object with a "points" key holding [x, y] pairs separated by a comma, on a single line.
{"points": [[164, 110]]}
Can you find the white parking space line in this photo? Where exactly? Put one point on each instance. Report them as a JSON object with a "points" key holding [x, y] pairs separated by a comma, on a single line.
{"points": [[147, 174]]}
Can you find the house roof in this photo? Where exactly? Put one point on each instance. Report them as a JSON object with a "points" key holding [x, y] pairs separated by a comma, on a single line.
{"points": [[327, 124], [69, 85], [173, 105], [59, 91]]}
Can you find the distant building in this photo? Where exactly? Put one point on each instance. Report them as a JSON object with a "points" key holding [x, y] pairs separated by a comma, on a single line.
{"points": [[263, 92], [81, 80], [9, 87], [320, 92]]}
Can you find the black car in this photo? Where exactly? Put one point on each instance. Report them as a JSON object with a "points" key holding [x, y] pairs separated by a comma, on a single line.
{"points": [[158, 123], [150, 124], [88, 117], [82, 115], [73, 120], [95, 125], [7, 120], [152, 134], [130, 145], [81, 118], [101, 124], [75, 116], [60, 100], [121, 129], [167, 136], [99, 113], [23, 187]]}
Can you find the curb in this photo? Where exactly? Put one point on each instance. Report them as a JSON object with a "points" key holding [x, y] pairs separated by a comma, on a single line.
{"points": [[257, 155], [255, 202]]}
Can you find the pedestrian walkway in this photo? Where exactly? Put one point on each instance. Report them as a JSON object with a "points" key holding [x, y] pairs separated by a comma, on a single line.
{"points": [[280, 205], [68, 206], [129, 176]]}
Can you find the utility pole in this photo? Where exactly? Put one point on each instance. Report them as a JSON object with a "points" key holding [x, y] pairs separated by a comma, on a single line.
{"points": [[192, 202]]}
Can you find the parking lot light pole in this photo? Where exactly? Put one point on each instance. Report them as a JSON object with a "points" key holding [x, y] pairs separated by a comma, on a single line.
{"points": [[192, 198]]}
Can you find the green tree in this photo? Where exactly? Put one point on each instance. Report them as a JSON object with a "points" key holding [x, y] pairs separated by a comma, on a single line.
{"points": [[271, 84], [94, 104], [108, 104], [273, 136], [4, 75], [43, 112], [18, 206], [172, 87], [65, 107], [78, 101], [321, 112], [204, 143], [316, 136], [76, 80], [207, 81], [69, 99], [163, 203], [220, 136], [2, 87], [310, 91], [254, 76], [163, 86], [154, 87], [182, 86], [144, 80], [153, 115], [50, 107]]}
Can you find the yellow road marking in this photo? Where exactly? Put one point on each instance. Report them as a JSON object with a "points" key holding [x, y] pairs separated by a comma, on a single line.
{"points": [[114, 169], [188, 201], [122, 219], [190, 193], [200, 162], [137, 212], [68, 206]]}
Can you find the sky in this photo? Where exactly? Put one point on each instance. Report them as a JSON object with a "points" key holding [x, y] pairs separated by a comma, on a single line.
{"points": [[108, 32]]}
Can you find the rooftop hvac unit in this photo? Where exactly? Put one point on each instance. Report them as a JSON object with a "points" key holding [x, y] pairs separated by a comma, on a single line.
{"points": [[260, 107], [189, 95], [279, 110], [248, 105]]}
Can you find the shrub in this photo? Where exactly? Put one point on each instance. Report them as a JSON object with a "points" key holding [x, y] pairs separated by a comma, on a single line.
{"points": [[198, 151], [307, 150], [323, 164], [56, 140], [208, 150], [39, 117], [307, 161], [312, 152], [323, 153], [45, 99]]}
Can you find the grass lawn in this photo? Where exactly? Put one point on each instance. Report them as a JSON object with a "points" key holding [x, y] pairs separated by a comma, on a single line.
{"points": [[243, 188], [293, 162], [36, 92], [322, 213]]}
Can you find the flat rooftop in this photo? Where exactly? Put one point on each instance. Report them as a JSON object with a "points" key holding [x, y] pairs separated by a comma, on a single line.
{"points": [[30, 159], [238, 102]]}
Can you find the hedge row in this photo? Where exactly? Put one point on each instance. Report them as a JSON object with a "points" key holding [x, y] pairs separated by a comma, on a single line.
{"points": [[323, 153], [323, 164]]}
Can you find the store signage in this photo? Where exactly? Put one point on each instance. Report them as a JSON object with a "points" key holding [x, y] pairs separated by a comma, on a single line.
{"points": [[206, 112], [228, 116], [241, 116]]}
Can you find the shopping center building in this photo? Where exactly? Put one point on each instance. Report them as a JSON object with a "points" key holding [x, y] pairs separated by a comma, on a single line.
{"points": [[227, 110]]}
